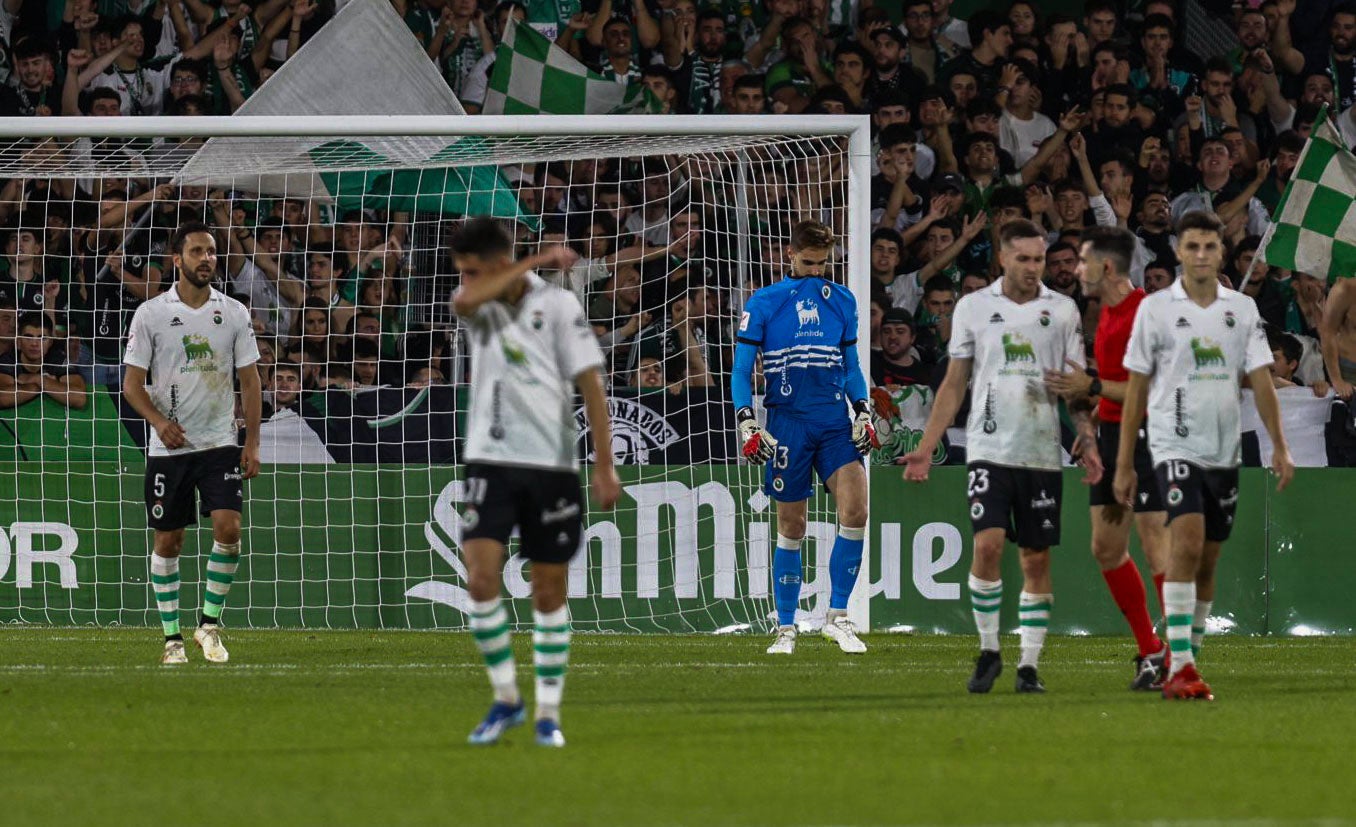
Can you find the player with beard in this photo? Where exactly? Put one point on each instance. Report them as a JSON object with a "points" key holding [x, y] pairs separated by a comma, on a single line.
{"points": [[194, 342]]}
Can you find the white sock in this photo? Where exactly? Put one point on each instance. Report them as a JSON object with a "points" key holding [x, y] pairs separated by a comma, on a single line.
{"points": [[1179, 603], [550, 657], [489, 627], [986, 597], [1034, 614]]}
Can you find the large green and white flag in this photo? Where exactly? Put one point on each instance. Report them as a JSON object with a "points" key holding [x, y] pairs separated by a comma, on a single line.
{"points": [[1314, 230], [533, 76]]}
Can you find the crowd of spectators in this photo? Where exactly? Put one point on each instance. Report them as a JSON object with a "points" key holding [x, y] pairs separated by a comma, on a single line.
{"points": [[1128, 112]]}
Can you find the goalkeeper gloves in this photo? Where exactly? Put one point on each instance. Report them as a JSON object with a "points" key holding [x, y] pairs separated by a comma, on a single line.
{"points": [[863, 431], [755, 442]]}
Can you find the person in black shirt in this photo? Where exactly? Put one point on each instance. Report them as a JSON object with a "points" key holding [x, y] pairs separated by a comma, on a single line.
{"points": [[40, 369], [897, 363]]}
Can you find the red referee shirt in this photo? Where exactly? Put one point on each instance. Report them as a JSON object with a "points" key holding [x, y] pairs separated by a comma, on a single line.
{"points": [[1113, 336]]}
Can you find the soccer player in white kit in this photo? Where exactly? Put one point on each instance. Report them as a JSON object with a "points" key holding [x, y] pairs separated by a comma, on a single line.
{"points": [[1189, 349], [531, 345], [1003, 340], [195, 342]]}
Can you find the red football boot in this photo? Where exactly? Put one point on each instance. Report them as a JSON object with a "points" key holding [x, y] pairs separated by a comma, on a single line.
{"points": [[1187, 685]]}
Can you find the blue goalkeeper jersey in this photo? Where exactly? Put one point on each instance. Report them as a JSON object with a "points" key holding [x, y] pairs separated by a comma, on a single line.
{"points": [[803, 326]]}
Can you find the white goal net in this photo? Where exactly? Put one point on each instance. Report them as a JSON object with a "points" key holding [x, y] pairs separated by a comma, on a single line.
{"points": [[339, 245]]}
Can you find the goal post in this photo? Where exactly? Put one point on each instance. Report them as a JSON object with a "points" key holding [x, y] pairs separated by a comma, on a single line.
{"points": [[335, 229]]}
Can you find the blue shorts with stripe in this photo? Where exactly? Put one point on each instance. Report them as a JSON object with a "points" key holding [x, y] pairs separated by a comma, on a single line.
{"points": [[803, 446]]}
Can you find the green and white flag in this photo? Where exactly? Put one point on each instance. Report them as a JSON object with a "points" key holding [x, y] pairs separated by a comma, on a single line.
{"points": [[533, 76], [1314, 230]]}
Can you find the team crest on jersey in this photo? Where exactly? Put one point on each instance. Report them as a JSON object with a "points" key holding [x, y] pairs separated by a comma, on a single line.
{"points": [[1174, 496], [807, 312], [470, 518], [158, 510], [216, 317], [825, 291], [976, 510], [1229, 320], [778, 484], [1044, 319], [537, 320]]}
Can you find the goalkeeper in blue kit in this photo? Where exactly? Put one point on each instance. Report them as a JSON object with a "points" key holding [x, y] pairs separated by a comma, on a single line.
{"points": [[806, 328]]}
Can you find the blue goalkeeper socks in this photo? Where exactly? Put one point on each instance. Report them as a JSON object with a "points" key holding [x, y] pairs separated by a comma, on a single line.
{"points": [[844, 563], [786, 572]]}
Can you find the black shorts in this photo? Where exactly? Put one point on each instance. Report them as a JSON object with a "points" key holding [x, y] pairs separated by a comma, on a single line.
{"points": [[171, 481], [1190, 489], [1024, 502], [1147, 495], [545, 506]]}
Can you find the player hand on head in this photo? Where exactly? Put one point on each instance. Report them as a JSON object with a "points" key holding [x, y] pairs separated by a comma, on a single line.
{"points": [[754, 440], [863, 429]]}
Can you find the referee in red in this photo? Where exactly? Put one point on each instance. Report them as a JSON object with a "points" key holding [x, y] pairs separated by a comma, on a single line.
{"points": [[1104, 271]]}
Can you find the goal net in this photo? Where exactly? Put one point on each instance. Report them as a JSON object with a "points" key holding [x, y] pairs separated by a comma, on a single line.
{"points": [[339, 243]]}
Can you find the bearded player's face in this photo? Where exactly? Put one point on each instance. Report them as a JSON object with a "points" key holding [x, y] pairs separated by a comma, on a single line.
{"points": [[198, 261]]}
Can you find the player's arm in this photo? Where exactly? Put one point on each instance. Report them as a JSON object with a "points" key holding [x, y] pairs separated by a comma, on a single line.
{"points": [[606, 486], [755, 443], [134, 391], [1269, 409], [251, 398], [1329, 329], [863, 430], [945, 404], [469, 297]]}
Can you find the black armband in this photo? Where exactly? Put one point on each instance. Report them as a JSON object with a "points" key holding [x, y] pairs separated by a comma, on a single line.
{"points": [[744, 413]]}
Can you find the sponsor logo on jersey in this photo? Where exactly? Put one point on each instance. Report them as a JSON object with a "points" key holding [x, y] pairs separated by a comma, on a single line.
{"points": [[1017, 348], [1182, 322], [744, 321], [996, 318], [1207, 353], [197, 348], [807, 312], [513, 352], [176, 322]]}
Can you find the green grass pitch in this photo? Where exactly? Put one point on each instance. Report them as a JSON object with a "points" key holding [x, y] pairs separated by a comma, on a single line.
{"points": [[369, 728]]}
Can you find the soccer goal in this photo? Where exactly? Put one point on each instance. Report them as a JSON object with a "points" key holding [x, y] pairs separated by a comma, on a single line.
{"points": [[335, 232]]}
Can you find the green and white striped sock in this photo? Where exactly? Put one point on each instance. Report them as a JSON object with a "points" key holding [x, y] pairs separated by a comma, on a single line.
{"points": [[221, 566], [551, 656], [1179, 603], [1198, 626], [1034, 614], [986, 598], [489, 627], [165, 584]]}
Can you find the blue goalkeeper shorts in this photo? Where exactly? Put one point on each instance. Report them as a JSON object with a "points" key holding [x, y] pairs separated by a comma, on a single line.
{"points": [[803, 445]]}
